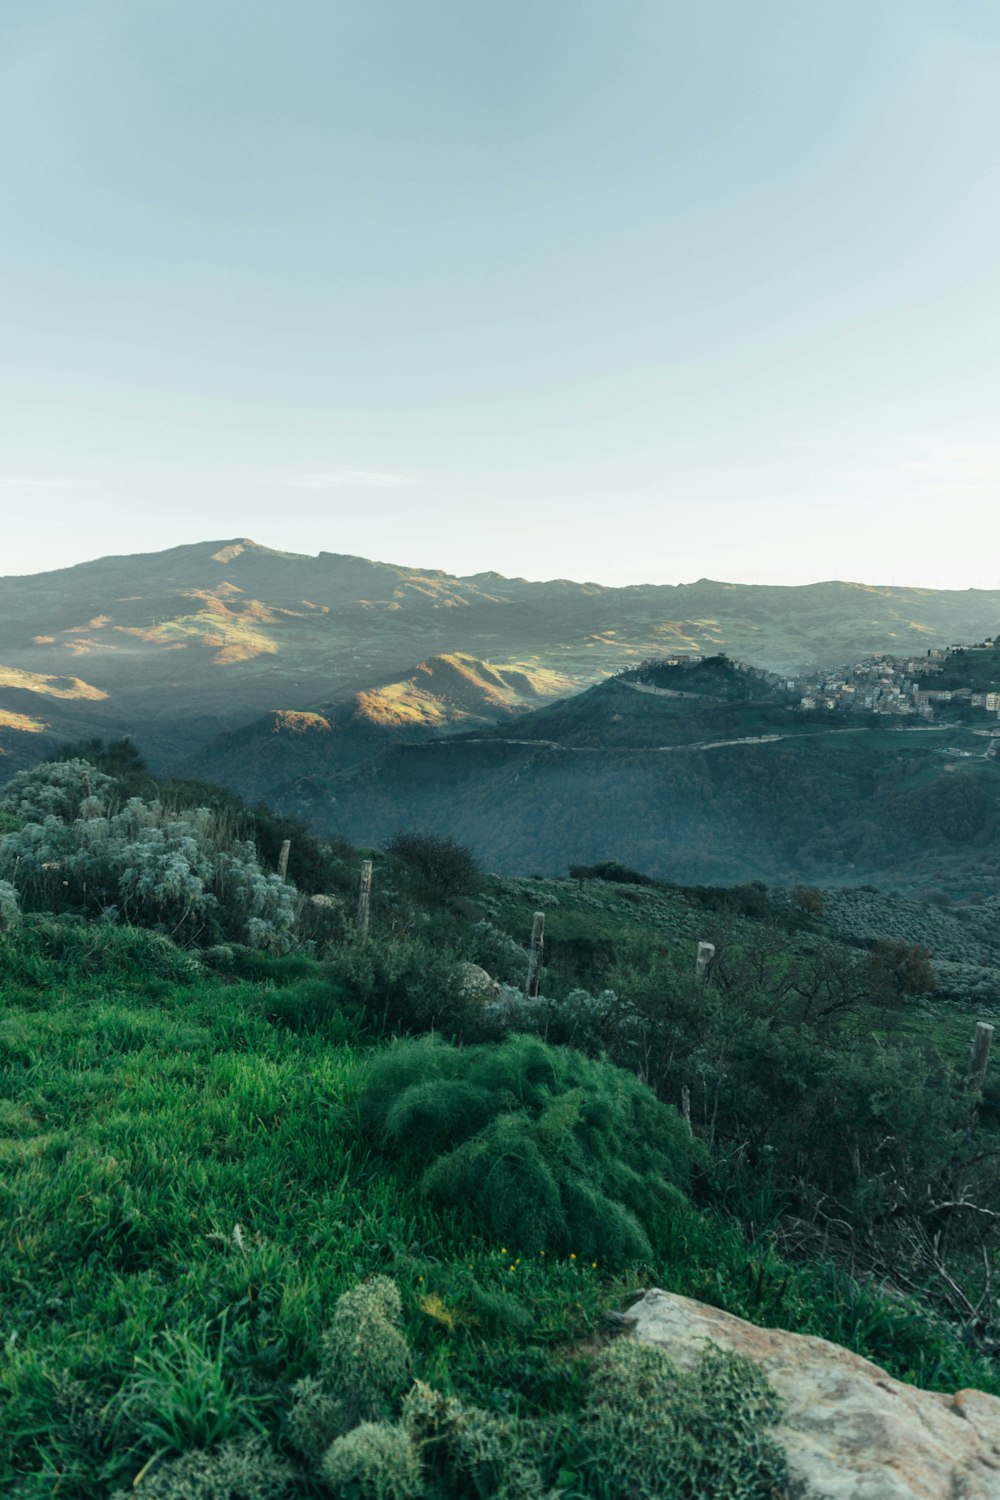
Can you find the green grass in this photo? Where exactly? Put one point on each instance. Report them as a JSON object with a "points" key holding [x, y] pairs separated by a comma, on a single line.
{"points": [[185, 1192]]}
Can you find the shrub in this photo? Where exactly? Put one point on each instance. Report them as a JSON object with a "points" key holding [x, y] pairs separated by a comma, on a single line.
{"points": [[242, 1469], [364, 1368], [403, 984], [476, 1453], [443, 862], [612, 870], [549, 1149], [900, 969], [56, 789], [809, 898], [182, 872], [376, 1461], [10, 911], [653, 1433]]}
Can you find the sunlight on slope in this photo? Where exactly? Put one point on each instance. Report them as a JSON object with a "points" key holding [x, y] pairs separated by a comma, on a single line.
{"points": [[233, 634], [451, 688], [49, 687], [22, 722], [289, 721]]}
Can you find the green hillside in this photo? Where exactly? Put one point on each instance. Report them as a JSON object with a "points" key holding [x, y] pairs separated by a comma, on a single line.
{"points": [[247, 1201], [693, 788]]}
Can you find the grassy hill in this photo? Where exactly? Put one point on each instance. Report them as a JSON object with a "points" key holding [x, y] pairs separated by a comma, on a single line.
{"points": [[178, 647], [247, 1198], [715, 779], [189, 1188]]}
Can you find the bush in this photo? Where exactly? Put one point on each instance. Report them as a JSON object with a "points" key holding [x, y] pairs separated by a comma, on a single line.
{"points": [[809, 898], [443, 862], [476, 1453], [363, 1370], [612, 870], [548, 1149], [241, 1469], [653, 1433], [181, 872], [10, 911], [376, 1461], [901, 969], [402, 985]]}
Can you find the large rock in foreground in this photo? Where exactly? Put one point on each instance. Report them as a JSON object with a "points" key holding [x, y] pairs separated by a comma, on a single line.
{"points": [[851, 1431]]}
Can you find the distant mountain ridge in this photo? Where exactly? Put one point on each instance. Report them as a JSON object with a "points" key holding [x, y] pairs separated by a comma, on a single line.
{"points": [[179, 647]]}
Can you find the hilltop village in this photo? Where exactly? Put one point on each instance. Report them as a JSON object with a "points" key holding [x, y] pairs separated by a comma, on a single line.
{"points": [[962, 680]]}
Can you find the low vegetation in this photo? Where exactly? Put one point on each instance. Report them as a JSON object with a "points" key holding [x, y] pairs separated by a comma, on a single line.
{"points": [[315, 1216]]}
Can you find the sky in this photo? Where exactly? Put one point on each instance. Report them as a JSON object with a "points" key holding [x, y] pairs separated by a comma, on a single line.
{"points": [[622, 290]]}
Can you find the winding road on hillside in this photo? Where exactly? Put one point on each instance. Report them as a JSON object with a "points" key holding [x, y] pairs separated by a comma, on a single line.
{"points": [[754, 739]]}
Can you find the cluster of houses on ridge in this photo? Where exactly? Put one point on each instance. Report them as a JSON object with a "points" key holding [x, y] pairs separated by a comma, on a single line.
{"points": [[885, 684]]}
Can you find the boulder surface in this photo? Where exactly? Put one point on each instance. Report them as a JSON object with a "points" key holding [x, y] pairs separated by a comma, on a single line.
{"points": [[851, 1432]]}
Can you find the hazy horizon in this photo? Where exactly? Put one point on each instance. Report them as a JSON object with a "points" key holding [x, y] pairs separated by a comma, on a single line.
{"points": [[622, 293], [404, 563]]}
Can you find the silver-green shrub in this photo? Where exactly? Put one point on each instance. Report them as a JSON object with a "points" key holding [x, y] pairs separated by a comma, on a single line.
{"points": [[143, 863], [56, 789], [241, 1469], [655, 1433], [375, 1461], [364, 1368], [478, 1453], [10, 911]]}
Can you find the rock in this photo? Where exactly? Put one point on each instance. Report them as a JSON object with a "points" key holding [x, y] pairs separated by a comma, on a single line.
{"points": [[851, 1432], [476, 984]]}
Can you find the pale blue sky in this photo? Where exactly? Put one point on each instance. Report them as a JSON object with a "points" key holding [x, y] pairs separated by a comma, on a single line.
{"points": [[616, 289]]}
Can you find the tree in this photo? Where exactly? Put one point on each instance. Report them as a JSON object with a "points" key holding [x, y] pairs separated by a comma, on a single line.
{"points": [[443, 862]]}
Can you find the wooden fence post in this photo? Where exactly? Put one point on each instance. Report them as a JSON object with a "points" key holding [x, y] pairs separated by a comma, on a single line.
{"points": [[364, 897], [286, 850], [979, 1057], [535, 961], [686, 1106], [703, 963]]}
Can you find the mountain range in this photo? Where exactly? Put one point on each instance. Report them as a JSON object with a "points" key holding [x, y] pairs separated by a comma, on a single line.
{"points": [[178, 647], [514, 714]]}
